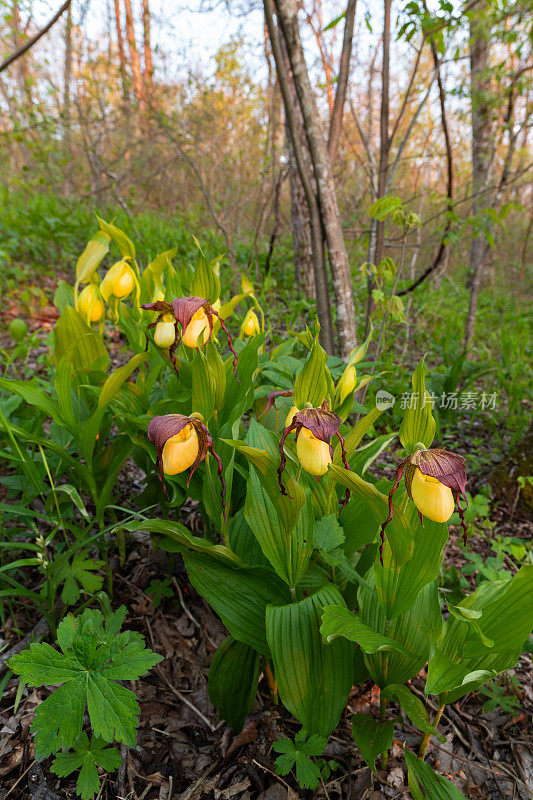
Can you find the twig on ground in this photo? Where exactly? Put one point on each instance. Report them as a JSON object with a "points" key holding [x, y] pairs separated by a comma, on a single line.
{"points": [[187, 702], [40, 630]]}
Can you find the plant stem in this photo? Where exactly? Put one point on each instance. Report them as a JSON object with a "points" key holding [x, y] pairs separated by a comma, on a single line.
{"points": [[425, 741], [382, 712], [272, 685]]}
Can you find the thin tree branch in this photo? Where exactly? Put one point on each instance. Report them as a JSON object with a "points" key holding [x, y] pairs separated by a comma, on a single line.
{"points": [[449, 188], [335, 124], [27, 45]]}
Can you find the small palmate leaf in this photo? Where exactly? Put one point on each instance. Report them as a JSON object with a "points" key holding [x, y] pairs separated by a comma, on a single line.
{"points": [[94, 657], [87, 756]]}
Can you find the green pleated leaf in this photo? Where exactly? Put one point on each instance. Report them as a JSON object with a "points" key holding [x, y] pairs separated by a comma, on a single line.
{"points": [[413, 707], [372, 737], [205, 282], [415, 632], [311, 384], [418, 424], [314, 679], [239, 595], [63, 385], [232, 681], [96, 249], [161, 261], [288, 508], [203, 386], [123, 242], [464, 661], [34, 396], [239, 395], [375, 500], [288, 551], [182, 538], [243, 542], [340, 621], [435, 786], [411, 559], [114, 382], [360, 524], [90, 351], [353, 439]]}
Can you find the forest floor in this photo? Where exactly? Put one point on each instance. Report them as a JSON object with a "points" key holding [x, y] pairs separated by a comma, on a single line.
{"points": [[184, 751]]}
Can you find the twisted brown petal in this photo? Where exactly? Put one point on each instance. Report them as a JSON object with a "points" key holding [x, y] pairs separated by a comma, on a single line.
{"points": [[212, 311], [160, 305], [399, 473], [271, 398], [295, 425]]}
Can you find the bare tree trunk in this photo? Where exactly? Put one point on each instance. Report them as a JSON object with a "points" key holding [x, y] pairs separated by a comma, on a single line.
{"points": [[481, 148], [67, 75], [147, 49], [384, 148], [319, 266], [301, 223], [135, 61], [121, 54], [301, 230], [327, 195]]}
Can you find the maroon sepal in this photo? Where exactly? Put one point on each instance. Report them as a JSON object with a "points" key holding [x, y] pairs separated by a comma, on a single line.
{"points": [[323, 424], [446, 467], [163, 428]]}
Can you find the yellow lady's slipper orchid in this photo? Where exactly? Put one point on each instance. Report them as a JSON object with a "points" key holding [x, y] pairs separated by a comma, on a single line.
{"points": [[90, 303], [165, 332], [313, 454], [250, 326], [180, 451], [181, 443], [434, 480], [433, 499], [198, 325], [314, 429], [118, 281]]}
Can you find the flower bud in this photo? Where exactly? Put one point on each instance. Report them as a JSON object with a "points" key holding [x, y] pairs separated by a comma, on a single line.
{"points": [[250, 326], [313, 454], [90, 303], [198, 325], [347, 383], [180, 451], [290, 416], [432, 498], [165, 332], [118, 281]]}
